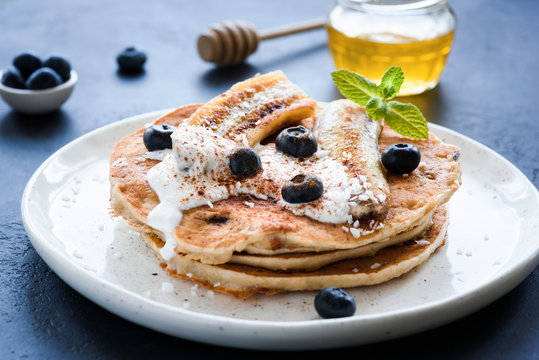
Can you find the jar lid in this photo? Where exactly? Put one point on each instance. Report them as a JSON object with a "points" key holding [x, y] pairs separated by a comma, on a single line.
{"points": [[391, 5]]}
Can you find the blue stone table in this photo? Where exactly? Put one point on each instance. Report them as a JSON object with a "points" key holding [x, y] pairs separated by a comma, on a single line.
{"points": [[488, 92]]}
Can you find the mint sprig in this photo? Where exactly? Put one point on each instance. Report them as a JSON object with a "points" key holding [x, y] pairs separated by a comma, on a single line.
{"points": [[404, 119]]}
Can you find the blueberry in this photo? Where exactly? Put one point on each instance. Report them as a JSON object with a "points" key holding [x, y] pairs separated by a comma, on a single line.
{"points": [[302, 188], [13, 79], [43, 78], [334, 302], [131, 60], [296, 141], [27, 63], [244, 162], [401, 158], [60, 65], [157, 137]]}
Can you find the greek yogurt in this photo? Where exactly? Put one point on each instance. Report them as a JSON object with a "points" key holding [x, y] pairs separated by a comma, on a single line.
{"points": [[196, 173]]}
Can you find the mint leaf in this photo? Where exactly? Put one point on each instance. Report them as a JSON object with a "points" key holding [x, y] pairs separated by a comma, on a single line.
{"points": [[404, 119], [376, 108], [391, 82], [355, 87], [407, 120]]}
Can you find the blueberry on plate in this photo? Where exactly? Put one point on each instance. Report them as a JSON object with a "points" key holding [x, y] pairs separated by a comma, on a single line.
{"points": [[60, 65], [131, 60], [302, 189], [13, 79], [43, 78], [157, 137], [27, 63], [296, 141], [334, 302], [401, 158], [244, 162]]}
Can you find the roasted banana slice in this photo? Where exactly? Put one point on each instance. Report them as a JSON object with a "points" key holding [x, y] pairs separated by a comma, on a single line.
{"points": [[344, 130], [255, 108]]}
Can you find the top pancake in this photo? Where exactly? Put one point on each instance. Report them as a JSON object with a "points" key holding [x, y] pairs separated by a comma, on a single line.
{"points": [[213, 234]]}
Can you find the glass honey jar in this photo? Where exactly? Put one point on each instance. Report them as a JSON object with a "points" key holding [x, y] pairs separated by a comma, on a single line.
{"points": [[370, 36]]}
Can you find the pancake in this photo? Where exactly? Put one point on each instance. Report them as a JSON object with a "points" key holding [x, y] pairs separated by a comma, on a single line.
{"points": [[236, 234], [309, 261], [242, 281], [213, 234]]}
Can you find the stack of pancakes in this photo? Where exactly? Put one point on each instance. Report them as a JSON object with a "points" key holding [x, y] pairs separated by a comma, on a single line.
{"points": [[245, 244]]}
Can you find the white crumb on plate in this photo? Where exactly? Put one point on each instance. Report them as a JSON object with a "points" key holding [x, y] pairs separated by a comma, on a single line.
{"points": [[167, 287]]}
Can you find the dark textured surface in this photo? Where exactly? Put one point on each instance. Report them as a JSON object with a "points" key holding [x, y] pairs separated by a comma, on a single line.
{"points": [[487, 93]]}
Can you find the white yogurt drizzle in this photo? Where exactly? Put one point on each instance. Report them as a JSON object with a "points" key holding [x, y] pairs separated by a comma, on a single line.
{"points": [[192, 174]]}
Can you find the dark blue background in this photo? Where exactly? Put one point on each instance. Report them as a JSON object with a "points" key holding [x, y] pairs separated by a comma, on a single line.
{"points": [[488, 92]]}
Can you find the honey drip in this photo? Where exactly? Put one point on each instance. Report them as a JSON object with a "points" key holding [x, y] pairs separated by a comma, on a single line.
{"points": [[422, 61]]}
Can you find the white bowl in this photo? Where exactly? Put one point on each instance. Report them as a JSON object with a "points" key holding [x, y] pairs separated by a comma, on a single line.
{"points": [[38, 101]]}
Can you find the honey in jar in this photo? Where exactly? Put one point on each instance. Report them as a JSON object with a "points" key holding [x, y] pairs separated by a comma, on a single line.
{"points": [[368, 37]]}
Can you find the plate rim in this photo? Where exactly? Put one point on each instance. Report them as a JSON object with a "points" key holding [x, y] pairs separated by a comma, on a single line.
{"points": [[460, 304]]}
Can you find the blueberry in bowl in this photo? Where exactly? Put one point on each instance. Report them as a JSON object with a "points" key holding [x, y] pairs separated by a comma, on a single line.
{"points": [[60, 65], [27, 63], [131, 60], [43, 78], [12, 78]]}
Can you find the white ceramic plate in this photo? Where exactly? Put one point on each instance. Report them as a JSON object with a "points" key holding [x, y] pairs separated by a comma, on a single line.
{"points": [[492, 246]]}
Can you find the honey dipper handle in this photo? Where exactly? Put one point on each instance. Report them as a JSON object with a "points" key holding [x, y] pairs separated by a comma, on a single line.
{"points": [[291, 29], [231, 42]]}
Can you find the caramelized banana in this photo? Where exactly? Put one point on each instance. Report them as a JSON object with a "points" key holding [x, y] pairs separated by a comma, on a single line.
{"points": [[350, 136], [255, 108]]}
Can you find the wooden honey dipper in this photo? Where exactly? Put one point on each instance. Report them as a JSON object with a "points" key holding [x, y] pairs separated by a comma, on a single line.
{"points": [[231, 42]]}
